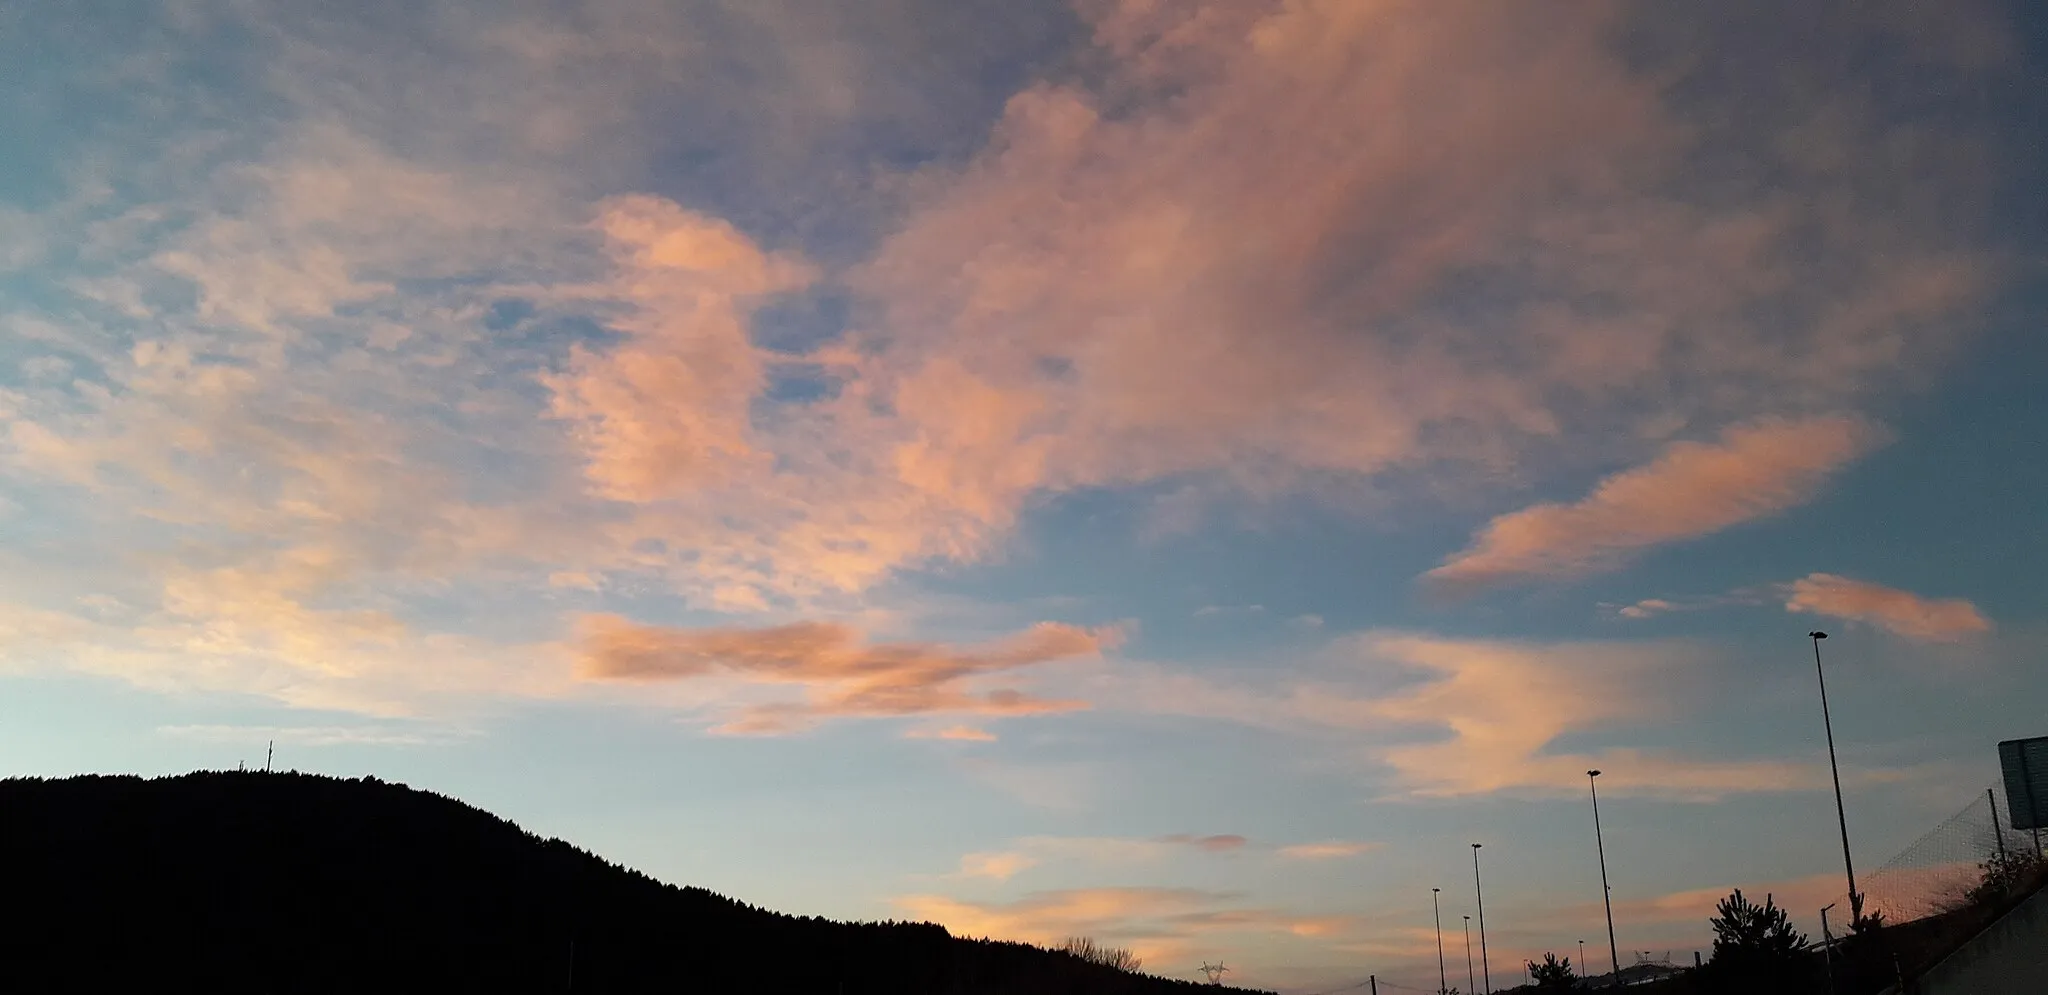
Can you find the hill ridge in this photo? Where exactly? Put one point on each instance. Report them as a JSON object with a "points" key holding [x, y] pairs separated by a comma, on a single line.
{"points": [[254, 881]]}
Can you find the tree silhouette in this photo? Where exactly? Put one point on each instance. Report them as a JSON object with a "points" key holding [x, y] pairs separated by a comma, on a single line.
{"points": [[2005, 874], [1088, 950], [1756, 948], [1553, 974]]}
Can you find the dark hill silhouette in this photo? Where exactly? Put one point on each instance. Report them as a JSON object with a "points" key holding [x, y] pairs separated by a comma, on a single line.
{"points": [[236, 882]]}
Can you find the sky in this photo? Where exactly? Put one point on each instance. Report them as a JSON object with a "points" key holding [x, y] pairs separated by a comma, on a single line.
{"points": [[1173, 472]]}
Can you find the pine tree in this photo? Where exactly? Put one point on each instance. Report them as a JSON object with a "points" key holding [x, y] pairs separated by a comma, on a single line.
{"points": [[1756, 948], [1553, 974]]}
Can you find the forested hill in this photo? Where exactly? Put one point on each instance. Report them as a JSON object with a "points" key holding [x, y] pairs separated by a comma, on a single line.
{"points": [[273, 883]]}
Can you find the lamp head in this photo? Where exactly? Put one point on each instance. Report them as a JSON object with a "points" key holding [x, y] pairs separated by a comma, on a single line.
{"points": [[1592, 773], [1817, 634]]}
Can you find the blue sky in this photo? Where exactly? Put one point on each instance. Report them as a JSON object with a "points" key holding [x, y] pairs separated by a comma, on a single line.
{"points": [[1174, 473]]}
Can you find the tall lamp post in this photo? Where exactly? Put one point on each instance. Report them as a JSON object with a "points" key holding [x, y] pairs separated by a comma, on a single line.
{"points": [[1443, 984], [1582, 956], [1841, 816], [1606, 893], [1485, 969], [1470, 981]]}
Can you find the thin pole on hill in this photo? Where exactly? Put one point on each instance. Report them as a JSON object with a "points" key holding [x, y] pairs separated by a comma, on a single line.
{"points": [[268, 751]]}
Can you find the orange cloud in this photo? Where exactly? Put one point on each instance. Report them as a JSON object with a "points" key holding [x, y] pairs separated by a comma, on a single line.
{"points": [[841, 675], [1693, 489], [1899, 612]]}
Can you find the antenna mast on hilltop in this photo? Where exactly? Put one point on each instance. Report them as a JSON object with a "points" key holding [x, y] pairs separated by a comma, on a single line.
{"points": [[267, 751], [1214, 972]]}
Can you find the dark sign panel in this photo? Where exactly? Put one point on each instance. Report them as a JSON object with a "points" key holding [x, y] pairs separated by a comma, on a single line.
{"points": [[2026, 781]]}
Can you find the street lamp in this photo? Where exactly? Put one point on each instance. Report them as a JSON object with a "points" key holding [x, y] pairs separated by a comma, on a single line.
{"points": [[1827, 946], [1606, 893], [1469, 982], [1841, 816], [1582, 956], [1443, 985], [1485, 970]]}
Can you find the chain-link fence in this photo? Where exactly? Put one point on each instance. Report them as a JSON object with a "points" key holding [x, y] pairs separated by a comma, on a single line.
{"points": [[1941, 870]]}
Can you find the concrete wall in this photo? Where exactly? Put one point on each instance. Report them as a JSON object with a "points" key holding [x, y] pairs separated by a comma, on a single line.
{"points": [[2010, 958]]}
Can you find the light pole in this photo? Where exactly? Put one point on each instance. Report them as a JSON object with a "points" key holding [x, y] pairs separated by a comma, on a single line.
{"points": [[1470, 982], [1485, 970], [1443, 985], [1606, 893], [1841, 816], [1582, 956], [1827, 946]]}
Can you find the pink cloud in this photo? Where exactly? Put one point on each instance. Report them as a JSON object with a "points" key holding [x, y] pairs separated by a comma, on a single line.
{"points": [[840, 674], [1900, 612], [1691, 490], [662, 413]]}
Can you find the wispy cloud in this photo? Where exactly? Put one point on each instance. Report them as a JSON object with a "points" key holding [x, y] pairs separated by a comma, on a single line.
{"points": [[1098, 851], [1000, 866], [955, 733], [1691, 490], [1458, 717], [1646, 608], [841, 674], [1212, 844], [1652, 607], [1899, 612], [1328, 850]]}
